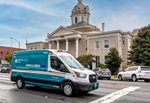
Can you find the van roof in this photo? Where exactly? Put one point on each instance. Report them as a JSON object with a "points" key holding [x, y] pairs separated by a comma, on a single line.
{"points": [[39, 51]]}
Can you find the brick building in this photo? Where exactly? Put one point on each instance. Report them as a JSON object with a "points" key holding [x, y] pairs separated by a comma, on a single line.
{"points": [[4, 51]]}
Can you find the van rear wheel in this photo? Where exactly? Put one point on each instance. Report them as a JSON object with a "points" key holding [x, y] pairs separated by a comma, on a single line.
{"points": [[68, 89], [20, 83]]}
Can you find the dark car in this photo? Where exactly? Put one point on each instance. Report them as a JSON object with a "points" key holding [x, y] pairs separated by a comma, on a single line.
{"points": [[104, 73]]}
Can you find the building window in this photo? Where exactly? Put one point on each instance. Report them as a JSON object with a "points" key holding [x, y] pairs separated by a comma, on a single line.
{"points": [[7, 53], [76, 19], [97, 44], [43, 48], [1, 52], [86, 45], [123, 40], [106, 59], [31, 48], [97, 61], [106, 43]]}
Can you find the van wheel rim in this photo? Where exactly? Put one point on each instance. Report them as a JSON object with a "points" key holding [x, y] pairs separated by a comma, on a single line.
{"points": [[67, 89], [19, 83]]}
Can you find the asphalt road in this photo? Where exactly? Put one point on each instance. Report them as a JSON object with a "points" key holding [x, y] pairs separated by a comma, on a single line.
{"points": [[108, 92]]}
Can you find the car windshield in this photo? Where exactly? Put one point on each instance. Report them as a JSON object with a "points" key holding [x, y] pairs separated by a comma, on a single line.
{"points": [[72, 62], [96, 70], [145, 68], [105, 70]]}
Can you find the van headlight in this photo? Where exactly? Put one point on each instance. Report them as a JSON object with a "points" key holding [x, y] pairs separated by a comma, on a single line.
{"points": [[80, 75]]}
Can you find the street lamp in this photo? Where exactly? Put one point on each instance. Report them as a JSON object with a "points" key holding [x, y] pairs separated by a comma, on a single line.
{"points": [[15, 40]]}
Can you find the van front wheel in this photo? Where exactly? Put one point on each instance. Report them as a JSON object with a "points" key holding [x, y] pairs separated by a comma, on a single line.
{"points": [[68, 89], [20, 83]]}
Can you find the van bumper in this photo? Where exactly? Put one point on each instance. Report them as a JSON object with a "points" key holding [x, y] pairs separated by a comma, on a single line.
{"points": [[86, 86]]}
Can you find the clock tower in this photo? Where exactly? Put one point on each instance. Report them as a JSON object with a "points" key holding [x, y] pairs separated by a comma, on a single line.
{"points": [[80, 13]]}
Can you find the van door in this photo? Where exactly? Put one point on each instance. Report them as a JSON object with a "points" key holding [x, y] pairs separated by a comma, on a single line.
{"points": [[57, 65], [57, 70]]}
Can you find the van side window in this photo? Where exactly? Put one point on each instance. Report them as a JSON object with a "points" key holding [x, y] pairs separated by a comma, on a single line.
{"points": [[57, 64]]}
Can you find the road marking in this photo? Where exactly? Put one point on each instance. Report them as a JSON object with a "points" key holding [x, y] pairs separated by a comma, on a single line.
{"points": [[113, 96], [5, 79], [6, 87]]}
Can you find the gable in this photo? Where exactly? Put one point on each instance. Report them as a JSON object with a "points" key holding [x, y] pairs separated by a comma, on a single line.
{"points": [[61, 31]]}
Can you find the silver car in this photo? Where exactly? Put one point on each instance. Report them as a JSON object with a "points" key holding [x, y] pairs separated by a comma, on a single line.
{"points": [[104, 73], [135, 73]]}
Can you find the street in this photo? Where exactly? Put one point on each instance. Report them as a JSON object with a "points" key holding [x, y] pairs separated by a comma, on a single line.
{"points": [[108, 92]]}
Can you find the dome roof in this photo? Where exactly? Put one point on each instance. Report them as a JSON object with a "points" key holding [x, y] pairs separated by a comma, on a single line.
{"points": [[80, 8]]}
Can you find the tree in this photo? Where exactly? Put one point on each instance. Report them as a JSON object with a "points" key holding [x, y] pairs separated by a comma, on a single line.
{"points": [[8, 58], [86, 59], [114, 60], [103, 66], [140, 48]]}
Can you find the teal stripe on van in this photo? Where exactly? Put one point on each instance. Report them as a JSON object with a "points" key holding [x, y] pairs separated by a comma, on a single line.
{"points": [[39, 76], [44, 85]]}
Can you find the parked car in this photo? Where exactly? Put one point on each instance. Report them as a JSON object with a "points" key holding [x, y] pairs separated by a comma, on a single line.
{"points": [[135, 73], [103, 73], [5, 68]]}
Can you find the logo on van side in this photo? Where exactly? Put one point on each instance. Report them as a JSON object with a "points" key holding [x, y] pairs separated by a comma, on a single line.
{"points": [[33, 65]]}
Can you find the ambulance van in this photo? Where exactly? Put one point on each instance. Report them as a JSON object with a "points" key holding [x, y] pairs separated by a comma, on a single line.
{"points": [[56, 69]]}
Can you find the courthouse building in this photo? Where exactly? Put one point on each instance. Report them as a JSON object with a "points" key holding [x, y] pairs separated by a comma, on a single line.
{"points": [[81, 37]]}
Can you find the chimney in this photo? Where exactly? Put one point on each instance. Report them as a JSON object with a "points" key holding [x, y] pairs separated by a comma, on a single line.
{"points": [[103, 27]]}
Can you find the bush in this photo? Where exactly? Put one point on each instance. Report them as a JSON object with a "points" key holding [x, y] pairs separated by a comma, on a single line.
{"points": [[8, 58], [86, 60], [114, 61], [103, 66]]}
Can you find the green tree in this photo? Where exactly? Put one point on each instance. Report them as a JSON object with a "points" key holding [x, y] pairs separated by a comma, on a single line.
{"points": [[86, 59], [8, 58], [114, 60], [140, 48], [103, 66]]}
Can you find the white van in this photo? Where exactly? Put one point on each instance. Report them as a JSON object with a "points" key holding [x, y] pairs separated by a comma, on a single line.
{"points": [[52, 68]]}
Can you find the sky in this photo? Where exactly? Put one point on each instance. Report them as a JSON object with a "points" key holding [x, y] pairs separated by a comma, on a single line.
{"points": [[31, 20]]}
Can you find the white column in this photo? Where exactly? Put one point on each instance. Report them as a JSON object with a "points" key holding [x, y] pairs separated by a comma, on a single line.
{"points": [[77, 47], [67, 45], [50, 45], [57, 44]]}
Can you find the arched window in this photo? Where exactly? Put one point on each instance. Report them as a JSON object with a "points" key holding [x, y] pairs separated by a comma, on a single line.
{"points": [[76, 19]]}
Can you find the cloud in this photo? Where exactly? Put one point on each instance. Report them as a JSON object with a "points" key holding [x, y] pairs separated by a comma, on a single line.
{"points": [[36, 7], [7, 27], [33, 19], [125, 17], [4, 39]]}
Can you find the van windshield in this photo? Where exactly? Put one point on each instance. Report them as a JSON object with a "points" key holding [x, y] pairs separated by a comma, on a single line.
{"points": [[72, 62]]}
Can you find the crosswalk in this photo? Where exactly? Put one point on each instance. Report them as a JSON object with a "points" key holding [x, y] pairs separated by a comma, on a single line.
{"points": [[5, 83], [5, 77]]}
